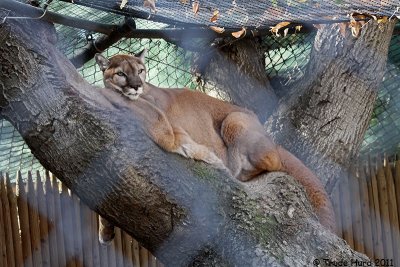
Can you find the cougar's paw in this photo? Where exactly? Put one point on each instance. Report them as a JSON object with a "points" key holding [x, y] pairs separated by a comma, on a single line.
{"points": [[188, 150], [215, 161], [106, 240]]}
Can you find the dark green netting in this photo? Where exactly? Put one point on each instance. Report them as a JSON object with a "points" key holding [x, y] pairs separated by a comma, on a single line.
{"points": [[383, 134], [169, 66], [243, 13]]}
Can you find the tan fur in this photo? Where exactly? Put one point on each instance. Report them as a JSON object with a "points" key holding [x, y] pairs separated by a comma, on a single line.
{"points": [[201, 127], [106, 231]]}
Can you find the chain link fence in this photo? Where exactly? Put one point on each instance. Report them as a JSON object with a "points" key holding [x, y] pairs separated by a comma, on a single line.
{"points": [[169, 66]]}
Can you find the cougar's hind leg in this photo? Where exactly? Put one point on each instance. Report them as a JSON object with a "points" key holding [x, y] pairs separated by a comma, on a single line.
{"points": [[264, 155], [250, 151], [232, 132], [106, 231]]}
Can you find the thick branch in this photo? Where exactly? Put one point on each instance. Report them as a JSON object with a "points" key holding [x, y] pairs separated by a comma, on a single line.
{"points": [[102, 43], [183, 211], [323, 122], [236, 72]]}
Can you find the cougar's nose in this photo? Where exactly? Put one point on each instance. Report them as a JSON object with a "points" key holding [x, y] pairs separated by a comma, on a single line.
{"points": [[135, 83]]}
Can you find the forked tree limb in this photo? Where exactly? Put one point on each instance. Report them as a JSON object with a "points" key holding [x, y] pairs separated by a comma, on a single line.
{"points": [[324, 120], [185, 212]]}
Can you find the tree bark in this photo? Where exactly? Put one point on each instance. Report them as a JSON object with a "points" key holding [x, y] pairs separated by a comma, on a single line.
{"points": [[324, 121], [183, 211], [236, 73]]}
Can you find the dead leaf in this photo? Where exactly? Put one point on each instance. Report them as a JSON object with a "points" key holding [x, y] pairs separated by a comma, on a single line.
{"points": [[342, 28], [217, 29], [151, 4], [123, 3], [279, 26], [196, 7], [285, 32], [298, 28], [383, 20], [183, 1], [240, 33], [355, 26], [215, 16], [355, 29]]}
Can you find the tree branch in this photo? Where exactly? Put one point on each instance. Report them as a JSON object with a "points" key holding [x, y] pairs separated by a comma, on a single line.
{"points": [[324, 120], [236, 71], [102, 43]]}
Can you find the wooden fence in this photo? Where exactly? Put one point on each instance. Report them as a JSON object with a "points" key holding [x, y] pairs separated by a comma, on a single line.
{"points": [[43, 224], [367, 207]]}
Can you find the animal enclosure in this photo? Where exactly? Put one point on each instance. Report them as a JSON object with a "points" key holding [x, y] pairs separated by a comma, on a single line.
{"points": [[43, 224]]}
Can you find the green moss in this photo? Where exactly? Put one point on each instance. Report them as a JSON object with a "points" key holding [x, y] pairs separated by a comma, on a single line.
{"points": [[250, 215], [204, 172]]}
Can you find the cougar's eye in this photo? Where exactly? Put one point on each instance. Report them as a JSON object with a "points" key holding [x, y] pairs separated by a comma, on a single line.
{"points": [[120, 73], [140, 71]]}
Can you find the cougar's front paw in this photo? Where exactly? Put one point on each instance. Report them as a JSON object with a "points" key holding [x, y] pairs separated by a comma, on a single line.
{"points": [[106, 239]]}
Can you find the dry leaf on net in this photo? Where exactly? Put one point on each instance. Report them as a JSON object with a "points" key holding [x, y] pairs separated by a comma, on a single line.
{"points": [[298, 28], [183, 1], [215, 16], [240, 33], [123, 3], [217, 29], [196, 7], [357, 21], [355, 29], [279, 26], [285, 32], [383, 20], [355, 26], [150, 4]]}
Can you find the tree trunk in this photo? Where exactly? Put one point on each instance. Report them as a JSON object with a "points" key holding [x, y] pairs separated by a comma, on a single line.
{"points": [[183, 211], [236, 73], [323, 122]]}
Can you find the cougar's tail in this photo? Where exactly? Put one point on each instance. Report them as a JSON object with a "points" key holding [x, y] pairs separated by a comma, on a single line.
{"points": [[315, 190]]}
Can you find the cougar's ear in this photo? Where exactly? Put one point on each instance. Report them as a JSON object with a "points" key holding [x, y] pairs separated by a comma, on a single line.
{"points": [[141, 55], [102, 61]]}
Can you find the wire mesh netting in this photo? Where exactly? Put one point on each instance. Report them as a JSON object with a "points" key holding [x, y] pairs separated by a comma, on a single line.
{"points": [[242, 13], [169, 66], [14, 153], [383, 134]]}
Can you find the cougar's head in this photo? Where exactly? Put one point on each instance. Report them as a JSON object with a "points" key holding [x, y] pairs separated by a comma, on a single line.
{"points": [[124, 73]]}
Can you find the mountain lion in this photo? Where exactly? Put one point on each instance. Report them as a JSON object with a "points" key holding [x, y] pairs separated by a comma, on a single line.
{"points": [[201, 127]]}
